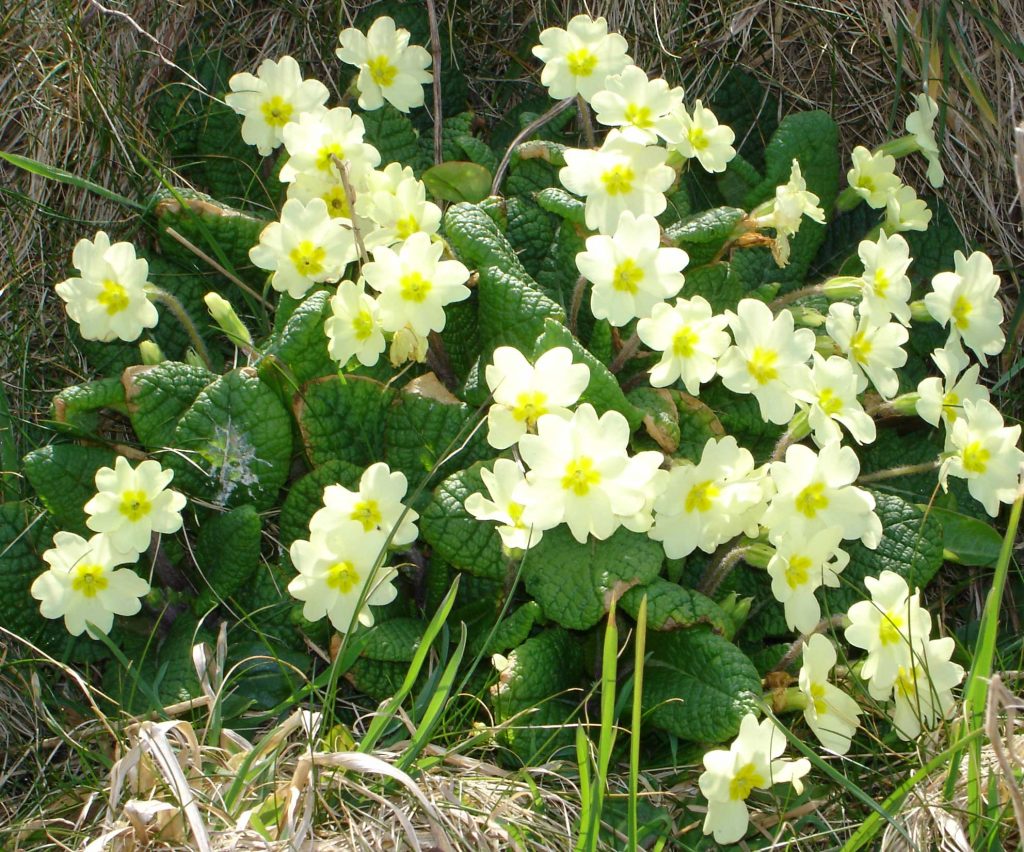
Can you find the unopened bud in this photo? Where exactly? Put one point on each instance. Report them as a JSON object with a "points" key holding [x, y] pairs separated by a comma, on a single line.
{"points": [[151, 353], [407, 345], [192, 359], [224, 315]]}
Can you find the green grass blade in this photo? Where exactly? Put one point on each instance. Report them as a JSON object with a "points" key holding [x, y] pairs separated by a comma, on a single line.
{"points": [[53, 173], [10, 463], [639, 653], [586, 802]]}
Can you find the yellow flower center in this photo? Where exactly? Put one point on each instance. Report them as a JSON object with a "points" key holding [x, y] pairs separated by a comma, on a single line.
{"points": [[114, 297], [342, 576], [761, 365], [337, 202], [362, 325], [975, 457], [962, 310], [698, 138], [414, 287], [308, 258], [746, 779], [382, 72], [889, 627], [135, 505], [829, 402], [580, 475], [367, 512], [277, 112], [906, 681], [860, 347], [627, 277], [866, 182], [530, 405], [684, 342], [950, 403], [406, 227], [618, 180], [882, 282], [702, 496], [89, 580], [324, 155], [811, 500], [581, 62], [639, 116], [798, 570], [818, 698], [515, 512]]}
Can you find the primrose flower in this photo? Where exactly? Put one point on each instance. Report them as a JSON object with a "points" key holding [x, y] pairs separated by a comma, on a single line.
{"points": [[891, 627], [698, 134], [984, 452], [753, 761], [407, 345], [767, 359], [630, 270], [800, 566], [377, 506], [885, 285], [691, 339], [317, 139], [578, 59], [580, 474], [354, 327], [398, 213], [109, 298], [923, 691], [830, 713], [330, 189], [524, 392], [786, 211], [944, 398], [271, 99], [904, 211], [966, 299], [829, 390], [872, 176], [920, 125], [133, 503], [338, 567], [390, 69], [874, 348], [305, 248], [620, 176], [501, 484], [815, 491], [704, 504], [82, 585], [415, 284], [634, 104]]}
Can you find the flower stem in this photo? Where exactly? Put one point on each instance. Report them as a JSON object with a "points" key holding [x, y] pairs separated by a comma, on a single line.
{"points": [[796, 295], [901, 470], [628, 350], [586, 122], [525, 133], [172, 304], [718, 570], [577, 302], [797, 647]]}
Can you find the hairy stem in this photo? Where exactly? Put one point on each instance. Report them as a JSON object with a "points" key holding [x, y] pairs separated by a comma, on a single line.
{"points": [[796, 649], [901, 470], [718, 570], [628, 350], [170, 301], [525, 133]]}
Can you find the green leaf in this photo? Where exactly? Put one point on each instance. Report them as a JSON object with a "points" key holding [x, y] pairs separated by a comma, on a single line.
{"points": [[477, 241], [235, 442], [672, 607], [697, 685], [227, 554], [429, 433], [458, 181], [528, 176], [476, 151], [158, 396], [268, 607], [171, 668], [461, 335], [703, 235], [603, 392], [932, 250], [513, 311], [751, 111], [394, 640], [302, 343], [307, 496], [392, 133], [720, 283], [379, 679], [342, 417], [531, 688], [264, 673], [661, 418], [513, 629], [530, 230], [64, 477], [911, 546], [573, 582], [10, 460], [970, 540], [23, 538], [556, 200], [455, 535], [78, 405]]}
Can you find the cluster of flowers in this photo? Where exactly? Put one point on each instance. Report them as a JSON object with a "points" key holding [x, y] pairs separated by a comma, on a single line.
{"points": [[83, 584]]}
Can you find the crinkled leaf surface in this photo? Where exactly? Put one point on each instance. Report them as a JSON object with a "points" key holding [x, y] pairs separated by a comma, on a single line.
{"points": [[703, 235], [673, 607], [24, 535], [302, 343], [227, 554], [513, 310], [158, 396], [342, 417], [394, 640], [306, 496], [64, 477]]}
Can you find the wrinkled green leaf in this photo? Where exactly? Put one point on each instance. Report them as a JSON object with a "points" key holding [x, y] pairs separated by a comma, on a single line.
{"points": [[342, 417], [227, 555], [458, 181], [64, 477]]}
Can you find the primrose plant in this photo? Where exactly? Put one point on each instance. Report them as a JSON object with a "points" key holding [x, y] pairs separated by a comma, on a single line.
{"points": [[653, 365]]}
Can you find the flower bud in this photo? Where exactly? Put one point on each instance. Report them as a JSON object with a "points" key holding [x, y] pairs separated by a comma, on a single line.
{"points": [[151, 353], [224, 315]]}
